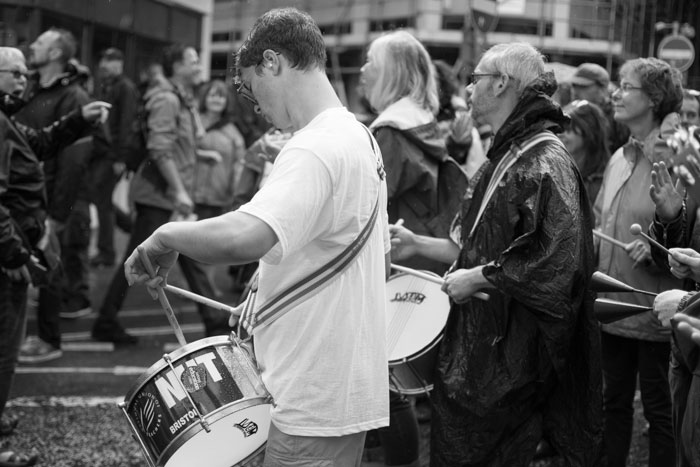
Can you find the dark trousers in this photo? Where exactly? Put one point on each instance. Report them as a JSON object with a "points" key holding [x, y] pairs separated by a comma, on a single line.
{"points": [[148, 219], [623, 359], [104, 180], [68, 290], [400, 439], [13, 308]]}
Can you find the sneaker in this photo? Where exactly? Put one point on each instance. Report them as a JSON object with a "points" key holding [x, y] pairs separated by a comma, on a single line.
{"points": [[35, 350], [75, 314], [115, 334]]}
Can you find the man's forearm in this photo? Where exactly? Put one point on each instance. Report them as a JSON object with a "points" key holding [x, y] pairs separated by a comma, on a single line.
{"points": [[168, 170], [438, 249], [232, 238]]}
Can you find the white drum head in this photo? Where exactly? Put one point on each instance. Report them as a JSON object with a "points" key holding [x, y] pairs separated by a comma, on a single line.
{"points": [[417, 311], [232, 439]]}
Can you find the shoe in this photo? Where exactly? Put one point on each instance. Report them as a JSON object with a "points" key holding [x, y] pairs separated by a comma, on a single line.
{"points": [[11, 459], [8, 425], [75, 314], [36, 350], [115, 334], [101, 260]]}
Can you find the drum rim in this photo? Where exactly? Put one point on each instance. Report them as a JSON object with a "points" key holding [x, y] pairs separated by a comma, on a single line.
{"points": [[191, 431], [420, 353], [160, 364]]}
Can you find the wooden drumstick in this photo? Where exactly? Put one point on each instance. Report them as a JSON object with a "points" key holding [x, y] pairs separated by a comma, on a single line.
{"points": [[169, 312], [436, 280], [636, 229], [203, 300], [608, 238]]}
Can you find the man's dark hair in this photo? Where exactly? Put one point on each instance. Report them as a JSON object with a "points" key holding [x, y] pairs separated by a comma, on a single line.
{"points": [[66, 43], [292, 33], [172, 54]]}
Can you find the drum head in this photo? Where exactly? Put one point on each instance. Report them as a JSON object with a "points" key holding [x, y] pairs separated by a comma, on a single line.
{"points": [[233, 439], [417, 311]]}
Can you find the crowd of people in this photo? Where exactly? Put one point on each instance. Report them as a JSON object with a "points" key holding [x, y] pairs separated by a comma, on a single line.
{"points": [[314, 196]]}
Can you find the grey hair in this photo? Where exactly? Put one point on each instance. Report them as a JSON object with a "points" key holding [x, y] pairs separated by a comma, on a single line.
{"points": [[8, 54], [519, 60]]}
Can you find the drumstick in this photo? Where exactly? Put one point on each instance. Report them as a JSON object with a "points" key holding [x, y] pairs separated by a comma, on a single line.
{"points": [[161, 296], [199, 299], [608, 238], [436, 280], [636, 229]]}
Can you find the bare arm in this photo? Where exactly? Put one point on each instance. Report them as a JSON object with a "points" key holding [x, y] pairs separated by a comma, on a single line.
{"points": [[405, 244], [232, 238]]}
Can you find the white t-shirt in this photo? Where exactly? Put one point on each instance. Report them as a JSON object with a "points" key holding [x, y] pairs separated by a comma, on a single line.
{"points": [[325, 360]]}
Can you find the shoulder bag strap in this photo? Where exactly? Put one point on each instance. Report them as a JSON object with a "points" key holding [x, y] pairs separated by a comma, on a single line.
{"points": [[281, 303], [506, 163]]}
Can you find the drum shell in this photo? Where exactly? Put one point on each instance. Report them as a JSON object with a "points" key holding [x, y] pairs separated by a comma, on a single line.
{"points": [[417, 312], [225, 381]]}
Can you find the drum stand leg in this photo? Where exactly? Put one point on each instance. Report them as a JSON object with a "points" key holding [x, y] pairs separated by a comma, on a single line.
{"points": [[150, 461], [202, 421]]}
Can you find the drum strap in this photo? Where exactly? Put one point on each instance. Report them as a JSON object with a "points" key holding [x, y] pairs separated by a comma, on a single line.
{"points": [[278, 305], [505, 164]]}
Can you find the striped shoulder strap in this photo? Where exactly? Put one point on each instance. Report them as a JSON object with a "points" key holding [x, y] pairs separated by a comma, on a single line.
{"points": [[505, 164], [281, 303]]}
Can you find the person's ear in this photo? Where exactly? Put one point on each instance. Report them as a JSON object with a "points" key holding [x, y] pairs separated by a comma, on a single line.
{"points": [[271, 60], [500, 84]]}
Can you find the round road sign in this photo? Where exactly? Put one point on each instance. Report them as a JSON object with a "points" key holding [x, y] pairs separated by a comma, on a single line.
{"points": [[677, 50]]}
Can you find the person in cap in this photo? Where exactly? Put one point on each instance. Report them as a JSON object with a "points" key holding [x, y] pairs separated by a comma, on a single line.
{"points": [[591, 82], [117, 89]]}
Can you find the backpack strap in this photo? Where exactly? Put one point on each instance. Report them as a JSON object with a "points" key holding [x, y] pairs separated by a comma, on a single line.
{"points": [[284, 301], [505, 164]]}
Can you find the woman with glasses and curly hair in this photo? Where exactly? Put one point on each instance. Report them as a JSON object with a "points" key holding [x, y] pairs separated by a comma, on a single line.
{"points": [[647, 100], [585, 139]]}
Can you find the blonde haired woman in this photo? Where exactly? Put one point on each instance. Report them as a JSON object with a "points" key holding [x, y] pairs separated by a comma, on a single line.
{"points": [[399, 83]]}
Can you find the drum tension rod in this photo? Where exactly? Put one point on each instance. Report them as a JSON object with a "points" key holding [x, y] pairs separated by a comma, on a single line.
{"points": [[202, 421], [137, 435]]}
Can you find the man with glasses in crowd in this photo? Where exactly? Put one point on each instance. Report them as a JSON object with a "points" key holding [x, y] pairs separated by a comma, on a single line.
{"points": [[323, 357], [524, 365]]}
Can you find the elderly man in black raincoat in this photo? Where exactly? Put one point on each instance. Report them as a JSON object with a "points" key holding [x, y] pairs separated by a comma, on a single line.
{"points": [[524, 365]]}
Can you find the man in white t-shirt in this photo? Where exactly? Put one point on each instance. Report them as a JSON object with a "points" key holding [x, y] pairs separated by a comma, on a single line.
{"points": [[323, 359]]}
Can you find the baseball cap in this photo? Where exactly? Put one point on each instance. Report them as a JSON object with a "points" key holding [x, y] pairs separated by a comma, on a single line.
{"points": [[588, 74], [112, 54]]}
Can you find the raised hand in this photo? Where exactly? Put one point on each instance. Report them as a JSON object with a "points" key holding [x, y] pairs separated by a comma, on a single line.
{"points": [[664, 194]]}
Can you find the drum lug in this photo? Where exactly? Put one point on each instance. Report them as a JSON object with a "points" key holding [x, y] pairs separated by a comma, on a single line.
{"points": [[202, 420]]}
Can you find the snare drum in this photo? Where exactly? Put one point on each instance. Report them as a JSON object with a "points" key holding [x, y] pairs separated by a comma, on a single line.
{"points": [[417, 312], [203, 404]]}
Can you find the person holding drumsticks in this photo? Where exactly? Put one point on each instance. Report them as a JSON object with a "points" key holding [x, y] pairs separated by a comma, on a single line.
{"points": [[323, 356], [523, 365]]}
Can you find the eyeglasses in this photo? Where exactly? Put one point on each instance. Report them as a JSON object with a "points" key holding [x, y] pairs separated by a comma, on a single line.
{"points": [[16, 74], [244, 90], [627, 87], [477, 76]]}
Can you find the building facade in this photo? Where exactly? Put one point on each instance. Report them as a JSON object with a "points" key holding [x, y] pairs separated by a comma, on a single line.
{"points": [[140, 28], [606, 32]]}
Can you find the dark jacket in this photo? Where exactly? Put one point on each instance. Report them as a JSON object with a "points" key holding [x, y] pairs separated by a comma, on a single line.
{"points": [[122, 127], [684, 380], [65, 174], [412, 149], [22, 197], [533, 349]]}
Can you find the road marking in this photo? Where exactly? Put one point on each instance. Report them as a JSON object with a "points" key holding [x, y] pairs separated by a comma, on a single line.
{"points": [[148, 331], [87, 346], [65, 401], [118, 370]]}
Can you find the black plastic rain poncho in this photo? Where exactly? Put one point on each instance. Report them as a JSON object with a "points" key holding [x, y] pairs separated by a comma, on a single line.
{"points": [[524, 365]]}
